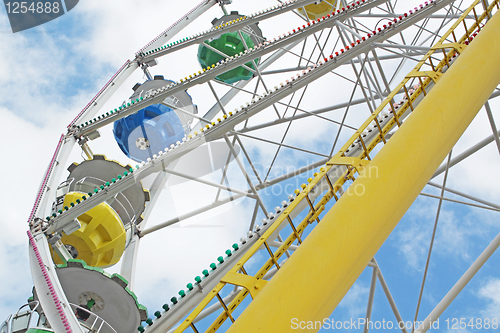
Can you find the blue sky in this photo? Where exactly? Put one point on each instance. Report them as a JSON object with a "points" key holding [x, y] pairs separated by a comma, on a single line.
{"points": [[50, 72]]}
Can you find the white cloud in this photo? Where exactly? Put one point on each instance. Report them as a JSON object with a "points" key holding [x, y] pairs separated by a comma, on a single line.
{"points": [[490, 292], [23, 162], [355, 301], [457, 232]]}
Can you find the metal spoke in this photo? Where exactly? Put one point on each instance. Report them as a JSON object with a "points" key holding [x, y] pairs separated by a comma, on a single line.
{"points": [[183, 217], [432, 241], [470, 197], [460, 285], [249, 181], [388, 295], [460, 157], [258, 71], [493, 126], [284, 135], [347, 110], [281, 144], [460, 202], [371, 296], [224, 173]]}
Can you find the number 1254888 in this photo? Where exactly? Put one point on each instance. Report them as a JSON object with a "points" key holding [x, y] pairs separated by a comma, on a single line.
{"points": [[32, 7]]}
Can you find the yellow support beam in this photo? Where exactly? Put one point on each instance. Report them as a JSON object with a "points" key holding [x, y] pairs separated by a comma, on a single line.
{"points": [[434, 76], [318, 275], [250, 283]]}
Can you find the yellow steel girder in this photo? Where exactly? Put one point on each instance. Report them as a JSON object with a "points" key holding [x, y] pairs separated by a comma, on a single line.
{"points": [[321, 271]]}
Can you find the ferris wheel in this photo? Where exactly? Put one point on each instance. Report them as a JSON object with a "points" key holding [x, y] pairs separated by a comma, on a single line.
{"points": [[337, 114]]}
